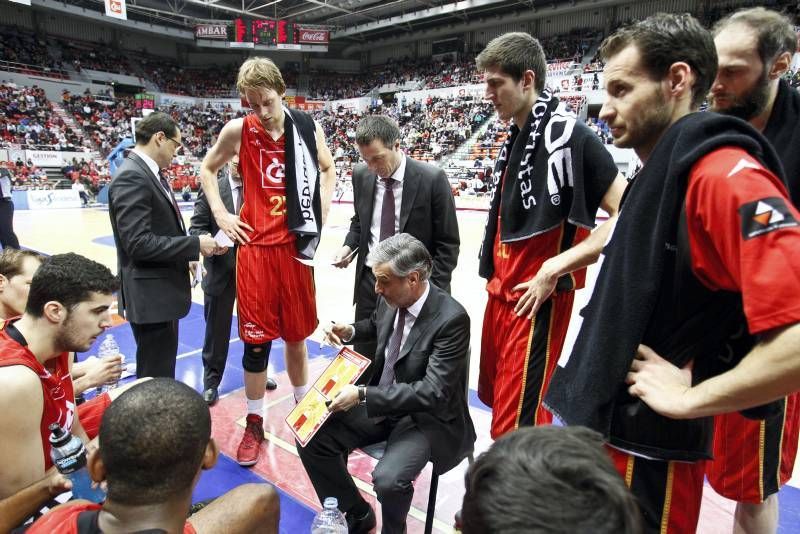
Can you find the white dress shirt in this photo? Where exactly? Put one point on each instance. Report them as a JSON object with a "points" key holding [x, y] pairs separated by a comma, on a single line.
{"points": [[153, 166], [380, 189], [412, 312]]}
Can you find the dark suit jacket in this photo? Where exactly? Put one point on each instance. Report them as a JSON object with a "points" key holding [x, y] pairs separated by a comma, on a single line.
{"points": [[219, 269], [430, 375], [153, 250], [427, 211]]}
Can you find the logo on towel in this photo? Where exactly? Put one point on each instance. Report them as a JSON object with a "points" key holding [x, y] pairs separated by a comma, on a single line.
{"points": [[764, 216]]}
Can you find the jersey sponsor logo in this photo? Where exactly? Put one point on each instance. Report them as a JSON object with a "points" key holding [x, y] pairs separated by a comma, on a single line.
{"points": [[252, 331], [766, 215], [272, 170], [743, 164]]}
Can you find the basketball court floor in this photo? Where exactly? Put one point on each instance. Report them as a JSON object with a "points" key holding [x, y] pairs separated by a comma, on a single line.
{"points": [[88, 232]]}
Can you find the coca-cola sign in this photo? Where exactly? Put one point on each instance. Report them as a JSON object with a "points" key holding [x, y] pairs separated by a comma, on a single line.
{"points": [[211, 31], [309, 36]]}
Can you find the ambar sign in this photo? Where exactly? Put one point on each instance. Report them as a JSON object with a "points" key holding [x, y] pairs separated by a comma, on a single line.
{"points": [[211, 31], [308, 36]]}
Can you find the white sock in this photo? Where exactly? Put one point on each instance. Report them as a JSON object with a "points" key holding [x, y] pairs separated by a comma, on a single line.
{"points": [[256, 407], [300, 392]]}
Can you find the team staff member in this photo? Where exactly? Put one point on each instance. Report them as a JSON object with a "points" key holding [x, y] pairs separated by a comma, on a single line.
{"points": [[551, 176], [705, 232], [753, 458], [153, 250], [288, 179], [392, 194]]}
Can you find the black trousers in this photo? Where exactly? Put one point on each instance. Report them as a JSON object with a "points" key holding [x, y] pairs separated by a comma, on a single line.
{"points": [[366, 301], [7, 236], [156, 348], [407, 452], [218, 311]]}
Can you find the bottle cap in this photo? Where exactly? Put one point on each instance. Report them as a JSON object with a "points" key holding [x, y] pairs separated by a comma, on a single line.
{"points": [[330, 503], [58, 436]]}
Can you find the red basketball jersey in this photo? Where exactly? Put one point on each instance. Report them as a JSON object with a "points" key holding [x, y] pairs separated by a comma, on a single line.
{"points": [[58, 395], [262, 164]]}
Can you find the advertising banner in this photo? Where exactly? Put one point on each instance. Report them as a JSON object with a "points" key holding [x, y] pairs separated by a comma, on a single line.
{"points": [[116, 9], [45, 158], [309, 36], [53, 198], [211, 31]]}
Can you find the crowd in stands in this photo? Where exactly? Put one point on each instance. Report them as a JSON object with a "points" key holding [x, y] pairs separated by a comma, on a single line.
{"points": [[27, 121], [425, 73], [92, 56], [26, 175], [18, 45], [105, 120]]}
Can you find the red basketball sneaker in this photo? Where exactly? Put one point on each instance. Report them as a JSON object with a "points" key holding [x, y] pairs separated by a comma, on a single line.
{"points": [[250, 447]]}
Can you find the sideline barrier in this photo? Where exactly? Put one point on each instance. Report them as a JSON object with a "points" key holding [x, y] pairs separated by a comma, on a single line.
{"points": [[43, 199]]}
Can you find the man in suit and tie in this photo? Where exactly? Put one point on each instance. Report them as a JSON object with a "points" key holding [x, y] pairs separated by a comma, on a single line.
{"points": [[415, 400], [393, 193], [219, 283], [153, 250]]}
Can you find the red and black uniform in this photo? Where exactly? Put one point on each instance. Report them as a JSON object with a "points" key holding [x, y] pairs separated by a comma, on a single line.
{"points": [[734, 207], [275, 292], [706, 244], [77, 518], [753, 458], [518, 355]]}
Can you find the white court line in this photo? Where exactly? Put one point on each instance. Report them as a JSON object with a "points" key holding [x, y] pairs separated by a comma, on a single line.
{"points": [[198, 351]]}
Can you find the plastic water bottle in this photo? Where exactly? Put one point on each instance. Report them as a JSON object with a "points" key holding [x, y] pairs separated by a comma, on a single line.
{"points": [[330, 520], [109, 347], [69, 457]]}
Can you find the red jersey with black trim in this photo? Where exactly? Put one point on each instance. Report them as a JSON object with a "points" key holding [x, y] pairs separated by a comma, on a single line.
{"points": [[64, 519], [262, 165], [58, 396], [744, 236], [519, 261]]}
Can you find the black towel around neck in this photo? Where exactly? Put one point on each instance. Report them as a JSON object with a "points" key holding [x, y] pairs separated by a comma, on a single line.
{"points": [[585, 389]]}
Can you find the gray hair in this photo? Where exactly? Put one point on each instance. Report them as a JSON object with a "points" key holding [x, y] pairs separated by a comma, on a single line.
{"points": [[405, 254], [378, 127]]}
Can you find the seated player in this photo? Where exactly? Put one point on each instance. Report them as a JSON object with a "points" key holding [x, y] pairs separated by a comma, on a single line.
{"points": [[565, 467], [154, 441], [16, 272], [67, 309]]}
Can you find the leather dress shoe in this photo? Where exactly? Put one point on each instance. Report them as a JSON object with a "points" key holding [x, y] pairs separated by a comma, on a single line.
{"points": [[361, 525], [210, 395], [271, 384]]}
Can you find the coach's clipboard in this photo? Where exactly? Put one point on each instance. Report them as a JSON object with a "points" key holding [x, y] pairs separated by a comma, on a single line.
{"points": [[310, 413]]}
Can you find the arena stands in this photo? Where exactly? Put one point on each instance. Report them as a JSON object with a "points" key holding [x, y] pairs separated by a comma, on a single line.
{"points": [[27, 121]]}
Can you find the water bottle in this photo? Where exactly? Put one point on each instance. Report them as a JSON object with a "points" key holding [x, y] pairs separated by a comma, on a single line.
{"points": [[69, 457], [330, 520], [109, 347]]}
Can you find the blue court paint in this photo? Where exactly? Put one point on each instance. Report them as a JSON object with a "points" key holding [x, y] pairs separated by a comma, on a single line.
{"points": [[227, 474], [107, 240], [789, 503], [475, 402]]}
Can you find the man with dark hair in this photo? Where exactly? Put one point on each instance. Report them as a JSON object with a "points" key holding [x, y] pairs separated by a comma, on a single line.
{"points": [[17, 268], [706, 230], [288, 178], [155, 440], [755, 48], [565, 467], [67, 310], [415, 399], [153, 250], [551, 176], [393, 193], [219, 283]]}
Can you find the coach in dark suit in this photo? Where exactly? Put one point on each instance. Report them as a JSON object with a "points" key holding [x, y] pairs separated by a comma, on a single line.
{"points": [[153, 250], [393, 193], [219, 284], [415, 399]]}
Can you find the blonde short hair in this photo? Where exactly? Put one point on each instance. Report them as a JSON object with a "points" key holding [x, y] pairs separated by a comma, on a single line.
{"points": [[260, 73]]}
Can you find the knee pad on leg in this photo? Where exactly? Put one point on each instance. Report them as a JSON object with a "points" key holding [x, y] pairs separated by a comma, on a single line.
{"points": [[256, 357]]}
